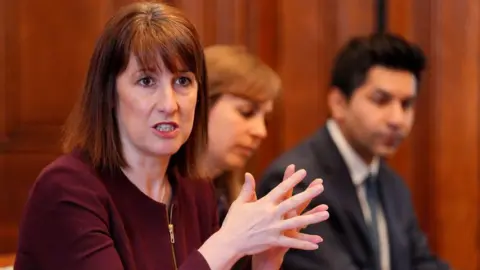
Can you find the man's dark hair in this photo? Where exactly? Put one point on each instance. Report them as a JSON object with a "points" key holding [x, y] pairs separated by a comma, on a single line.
{"points": [[360, 54]]}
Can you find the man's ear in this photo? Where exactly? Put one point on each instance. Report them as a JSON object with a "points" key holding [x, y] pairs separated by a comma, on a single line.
{"points": [[337, 102]]}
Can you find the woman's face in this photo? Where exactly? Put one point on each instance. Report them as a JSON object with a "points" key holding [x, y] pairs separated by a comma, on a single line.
{"points": [[155, 109], [236, 127]]}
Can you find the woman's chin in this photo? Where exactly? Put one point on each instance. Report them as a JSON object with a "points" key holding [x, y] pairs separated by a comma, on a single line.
{"points": [[235, 162], [164, 150]]}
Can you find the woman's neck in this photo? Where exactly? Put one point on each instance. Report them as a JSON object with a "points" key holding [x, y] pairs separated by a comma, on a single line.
{"points": [[149, 174]]}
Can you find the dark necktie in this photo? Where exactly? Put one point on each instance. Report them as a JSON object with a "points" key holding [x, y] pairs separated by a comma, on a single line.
{"points": [[371, 187]]}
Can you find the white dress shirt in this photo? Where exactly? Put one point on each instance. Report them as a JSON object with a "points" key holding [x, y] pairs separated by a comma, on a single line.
{"points": [[359, 171]]}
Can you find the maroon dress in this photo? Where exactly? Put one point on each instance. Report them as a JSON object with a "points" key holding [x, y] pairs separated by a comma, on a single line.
{"points": [[76, 219]]}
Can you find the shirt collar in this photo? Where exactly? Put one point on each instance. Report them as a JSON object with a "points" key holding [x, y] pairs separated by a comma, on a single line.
{"points": [[358, 169]]}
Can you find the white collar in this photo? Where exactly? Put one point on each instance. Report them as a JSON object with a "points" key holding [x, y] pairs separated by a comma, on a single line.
{"points": [[358, 169]]}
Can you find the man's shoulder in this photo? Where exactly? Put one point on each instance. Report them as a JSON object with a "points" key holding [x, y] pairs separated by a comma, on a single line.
{"points": [[304, 155], [393, 178], [301, 154]]}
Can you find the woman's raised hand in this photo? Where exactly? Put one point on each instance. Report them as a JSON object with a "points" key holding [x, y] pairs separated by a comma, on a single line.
{"points": [[271, 259], [253, 226]]}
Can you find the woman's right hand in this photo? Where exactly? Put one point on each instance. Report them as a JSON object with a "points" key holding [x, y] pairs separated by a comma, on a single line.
{"points": [[253, 226]]}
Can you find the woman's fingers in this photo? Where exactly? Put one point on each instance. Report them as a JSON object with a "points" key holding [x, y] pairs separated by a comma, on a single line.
{"points": [[302, 207], [302, 221], [318, 208], [247, 194], [312, 238], [285, 186], [288, 242], [299, 199], [289, 171]]}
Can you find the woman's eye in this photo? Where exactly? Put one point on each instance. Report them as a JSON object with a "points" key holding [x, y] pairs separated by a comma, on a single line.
{"points": [[247, 113], [183, 81], [146, 81]]}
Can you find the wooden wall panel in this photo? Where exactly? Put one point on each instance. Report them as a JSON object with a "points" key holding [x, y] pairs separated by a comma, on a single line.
{"points": [[441, 159], [44, 54], [413, 161], [303, 32], [3, 107], [3, 101], [456, 156], [311, 33]]}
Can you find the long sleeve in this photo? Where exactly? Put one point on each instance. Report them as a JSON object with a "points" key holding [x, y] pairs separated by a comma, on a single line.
{"points": [[195, 261], [65, 225]]}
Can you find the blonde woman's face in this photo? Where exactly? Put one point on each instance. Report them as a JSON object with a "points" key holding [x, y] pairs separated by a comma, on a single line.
{"points": [[236, 128]]}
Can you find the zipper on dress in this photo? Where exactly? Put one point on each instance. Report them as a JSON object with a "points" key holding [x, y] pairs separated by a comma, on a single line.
{"points": [[172, 233]]}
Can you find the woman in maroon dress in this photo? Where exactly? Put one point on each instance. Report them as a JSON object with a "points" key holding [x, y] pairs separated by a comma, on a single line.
{"points": [[123, 194]]}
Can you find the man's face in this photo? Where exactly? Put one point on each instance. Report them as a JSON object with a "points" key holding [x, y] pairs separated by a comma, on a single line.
{"points": [[379, 114]]}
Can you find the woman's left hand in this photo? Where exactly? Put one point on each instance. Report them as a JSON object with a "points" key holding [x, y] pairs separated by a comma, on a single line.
{"points": [[271, 259]]}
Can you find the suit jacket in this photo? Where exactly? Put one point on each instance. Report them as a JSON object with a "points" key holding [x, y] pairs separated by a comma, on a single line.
{"points": [[346, 244]]}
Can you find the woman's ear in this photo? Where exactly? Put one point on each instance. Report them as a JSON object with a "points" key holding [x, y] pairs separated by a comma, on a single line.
{"points": [[337, 103]]}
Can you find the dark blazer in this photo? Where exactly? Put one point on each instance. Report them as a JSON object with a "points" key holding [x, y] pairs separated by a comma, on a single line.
{"points": [[346, 245]]}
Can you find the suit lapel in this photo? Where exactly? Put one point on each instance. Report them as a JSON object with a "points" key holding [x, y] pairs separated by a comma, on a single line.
{"points": [[347, 195], [340, 188], [396, 238]]}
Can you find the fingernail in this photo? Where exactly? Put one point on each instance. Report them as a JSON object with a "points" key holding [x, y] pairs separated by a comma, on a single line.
{"points": [[316, 182], [318, 239]]}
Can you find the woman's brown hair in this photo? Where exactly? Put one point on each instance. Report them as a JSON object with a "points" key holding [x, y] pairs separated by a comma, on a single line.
{"points": [[153, 33]]}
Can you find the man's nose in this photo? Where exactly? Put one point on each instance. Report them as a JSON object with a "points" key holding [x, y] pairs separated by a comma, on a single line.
{"points": [[396, 115]]}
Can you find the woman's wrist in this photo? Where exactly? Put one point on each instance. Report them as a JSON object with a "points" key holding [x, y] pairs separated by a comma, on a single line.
{"points": [[220, 251]]}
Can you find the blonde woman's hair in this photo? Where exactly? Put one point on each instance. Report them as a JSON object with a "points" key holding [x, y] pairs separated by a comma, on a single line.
{"points": [[233, 70]]}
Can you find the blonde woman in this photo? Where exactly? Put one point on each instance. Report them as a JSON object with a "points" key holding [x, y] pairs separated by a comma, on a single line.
{"points": [[242, 90]]}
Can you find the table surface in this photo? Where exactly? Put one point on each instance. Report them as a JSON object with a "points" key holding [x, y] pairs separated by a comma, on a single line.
{"points": [[6, 259]]}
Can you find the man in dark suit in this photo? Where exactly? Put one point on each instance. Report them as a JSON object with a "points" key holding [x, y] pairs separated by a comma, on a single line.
{"points": [[372, 223]]}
